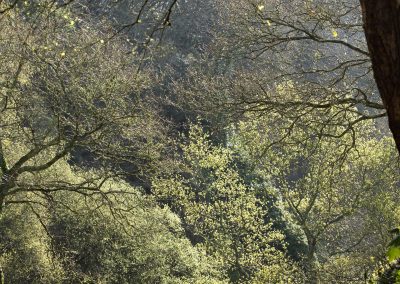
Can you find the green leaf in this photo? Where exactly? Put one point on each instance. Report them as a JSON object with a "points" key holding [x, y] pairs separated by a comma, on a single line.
{"points": [[393, 253]]}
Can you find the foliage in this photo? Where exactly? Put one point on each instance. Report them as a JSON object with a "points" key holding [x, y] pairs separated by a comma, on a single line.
{"points": [[223, 214], [326, 193], [25, 249], [85, 97], [132, 241], [289, 177], [121, 239]]}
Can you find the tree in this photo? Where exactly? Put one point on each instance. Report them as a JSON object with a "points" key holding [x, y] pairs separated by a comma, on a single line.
{"points": [[132, 241], [316, 46], [343, 206], [60, 96], [323, 43], [70, 238], [223, 215], [64, 90], [381, 20]]}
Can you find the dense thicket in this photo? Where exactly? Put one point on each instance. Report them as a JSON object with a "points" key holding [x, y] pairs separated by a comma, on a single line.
{"points": [[193, 142]]}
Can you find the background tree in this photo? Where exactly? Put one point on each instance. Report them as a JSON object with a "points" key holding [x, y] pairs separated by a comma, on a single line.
{"points": [[79, 99], [295, 181], [223, 215], [317, 46], [91, 239], [337, 203]]}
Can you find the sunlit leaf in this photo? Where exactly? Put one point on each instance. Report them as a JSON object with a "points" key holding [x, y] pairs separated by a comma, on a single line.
{"points": [[393, 253]]}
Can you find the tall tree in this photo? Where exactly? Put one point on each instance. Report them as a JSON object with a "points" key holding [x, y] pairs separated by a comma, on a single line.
{"points": [[60, 94], [224, 216], [335, 202], [382, 31], [318, 47]]}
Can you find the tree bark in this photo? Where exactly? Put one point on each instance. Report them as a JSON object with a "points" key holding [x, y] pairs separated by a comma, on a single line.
{"points": [[312, 261], [1, 275], [382, 31]]}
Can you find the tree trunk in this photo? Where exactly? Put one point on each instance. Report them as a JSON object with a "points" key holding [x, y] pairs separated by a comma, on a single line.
{"points": [[2, 197], [1, 276], [1, 215], [312, 261], [382, 31]]}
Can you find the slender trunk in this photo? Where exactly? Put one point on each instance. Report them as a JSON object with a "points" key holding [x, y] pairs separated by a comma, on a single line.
{"points": [[382, 31], [1, 203], [1, 266], [1, 275], [1, 216], [312, 261], [2, 197]]}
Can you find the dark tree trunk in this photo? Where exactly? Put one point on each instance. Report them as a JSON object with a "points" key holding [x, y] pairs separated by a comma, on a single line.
{"points": [[382, 31]]}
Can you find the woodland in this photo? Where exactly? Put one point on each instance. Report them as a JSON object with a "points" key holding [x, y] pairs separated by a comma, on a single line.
{"points": [[199, 141]]}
